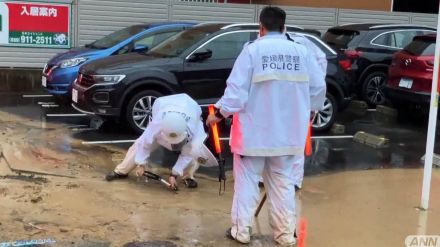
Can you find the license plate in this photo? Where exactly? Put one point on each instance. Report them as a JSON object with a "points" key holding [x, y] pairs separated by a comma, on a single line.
{"points": [[44, 81], [406, 83], [74, 95]]}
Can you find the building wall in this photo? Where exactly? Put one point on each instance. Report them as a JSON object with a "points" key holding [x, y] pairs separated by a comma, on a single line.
{"points": [[384, 5]]}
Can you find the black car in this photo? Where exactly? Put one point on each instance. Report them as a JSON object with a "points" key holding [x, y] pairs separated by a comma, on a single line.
{"points": [[196, 61], [370, 48]]}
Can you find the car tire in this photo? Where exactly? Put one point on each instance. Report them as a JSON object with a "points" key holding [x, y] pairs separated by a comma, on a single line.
{"points": [[372, 88], [139, 109], [325, 118]]}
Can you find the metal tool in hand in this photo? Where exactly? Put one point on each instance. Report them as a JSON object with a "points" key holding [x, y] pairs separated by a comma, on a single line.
{"points": [[218, 150], [154, 176], [308, 152]]}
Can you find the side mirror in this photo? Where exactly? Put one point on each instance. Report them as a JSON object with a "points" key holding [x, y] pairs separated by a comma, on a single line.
{"points": [[200, 55], [140, 48]]}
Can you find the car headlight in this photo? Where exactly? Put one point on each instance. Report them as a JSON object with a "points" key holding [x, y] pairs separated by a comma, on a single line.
{"points": [[72, 62], [108, 79]]}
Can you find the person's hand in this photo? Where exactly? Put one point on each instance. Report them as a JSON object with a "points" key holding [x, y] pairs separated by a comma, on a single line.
{"points": [[173, 182], [140, 171], [212, 120]]}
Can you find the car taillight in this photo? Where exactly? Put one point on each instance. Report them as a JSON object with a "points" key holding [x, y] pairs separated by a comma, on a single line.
{"points": [[345, 64], [430, 62], [353, 53]]}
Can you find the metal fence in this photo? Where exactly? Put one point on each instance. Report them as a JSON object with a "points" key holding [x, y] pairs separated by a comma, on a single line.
{"points": [[93, 19]]}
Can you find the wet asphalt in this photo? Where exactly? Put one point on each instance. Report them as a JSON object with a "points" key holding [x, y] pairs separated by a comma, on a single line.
{"points": [[407, 134]]}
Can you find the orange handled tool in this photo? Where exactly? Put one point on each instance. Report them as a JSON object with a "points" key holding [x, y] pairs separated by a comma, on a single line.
{"points": [[214, 129], [302, 232], [308, 149], [218, 150]]}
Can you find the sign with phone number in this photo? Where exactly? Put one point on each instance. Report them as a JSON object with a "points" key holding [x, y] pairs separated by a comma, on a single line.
{"points": [[35, 24]]}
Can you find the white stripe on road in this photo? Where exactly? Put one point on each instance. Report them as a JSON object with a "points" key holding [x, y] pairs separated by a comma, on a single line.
{"points": [[371, 109], [36, 95], [107, 142], [66, 115], [46, 103], [331, 137], [82, 129], [77, 126], [50, 106], [313, 137]]}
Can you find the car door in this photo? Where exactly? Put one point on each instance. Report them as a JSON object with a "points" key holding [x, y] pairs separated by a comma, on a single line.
{"points": [[206, 80]]}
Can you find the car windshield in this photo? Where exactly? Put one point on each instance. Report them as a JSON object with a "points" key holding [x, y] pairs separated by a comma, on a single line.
{"points": [[421, 47], [177, 44], [116, 37], [339, 39]]}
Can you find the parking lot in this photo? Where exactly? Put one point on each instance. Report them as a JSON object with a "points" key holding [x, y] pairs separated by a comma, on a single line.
{"points": [[351, 85], [353, 194]]}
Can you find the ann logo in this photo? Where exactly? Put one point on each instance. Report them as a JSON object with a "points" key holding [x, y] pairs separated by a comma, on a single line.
{"points": [[423, 241]]}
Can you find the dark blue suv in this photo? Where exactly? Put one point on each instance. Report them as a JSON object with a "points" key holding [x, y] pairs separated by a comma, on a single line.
{"points": [[60, 72]]}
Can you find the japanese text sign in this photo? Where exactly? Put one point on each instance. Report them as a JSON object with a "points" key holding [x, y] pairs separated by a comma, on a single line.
{"points": [[35, 24]]}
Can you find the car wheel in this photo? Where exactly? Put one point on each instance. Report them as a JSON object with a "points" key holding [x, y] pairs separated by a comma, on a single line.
{"points": [[325, 118], [373, 87], [139, 110]]}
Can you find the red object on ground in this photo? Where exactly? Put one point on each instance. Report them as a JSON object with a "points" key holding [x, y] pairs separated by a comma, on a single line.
{"points": [[214, 129]]}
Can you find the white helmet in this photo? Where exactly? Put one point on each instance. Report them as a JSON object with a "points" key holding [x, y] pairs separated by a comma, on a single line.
{"points": [[174, 127]]}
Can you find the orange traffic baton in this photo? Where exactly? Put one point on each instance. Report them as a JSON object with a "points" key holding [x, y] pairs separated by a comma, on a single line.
{"points": [[218, 150]]}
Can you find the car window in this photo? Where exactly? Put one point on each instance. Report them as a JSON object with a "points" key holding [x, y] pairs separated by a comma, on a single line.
{"points": [[179, 43], [152, 40], [228, 46], [398, 39], [338, 38], [116, 37], [420, 47], [321, 46]]}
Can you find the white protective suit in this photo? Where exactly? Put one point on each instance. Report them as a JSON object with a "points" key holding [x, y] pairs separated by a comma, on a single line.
{"points": [[151, 138], [272, 88], [321, 58]]}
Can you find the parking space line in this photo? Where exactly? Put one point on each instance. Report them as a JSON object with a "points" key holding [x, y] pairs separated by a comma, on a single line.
{"points": [[45, 103], [36, 95], [50, 106], [77, 126], [66, 115], [82, 129], [313, 137], [107, 142], [371, 109], [332, 137]]}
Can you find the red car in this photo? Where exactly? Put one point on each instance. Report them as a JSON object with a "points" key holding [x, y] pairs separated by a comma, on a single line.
{"points": [[410, 74]]}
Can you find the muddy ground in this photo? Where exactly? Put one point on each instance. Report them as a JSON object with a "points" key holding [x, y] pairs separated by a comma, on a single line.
{"points": [[71, 203]]}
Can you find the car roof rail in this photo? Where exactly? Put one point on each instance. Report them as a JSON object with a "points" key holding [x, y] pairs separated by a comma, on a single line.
{"points": [[207, 23], [400, 25], [254, 24]]}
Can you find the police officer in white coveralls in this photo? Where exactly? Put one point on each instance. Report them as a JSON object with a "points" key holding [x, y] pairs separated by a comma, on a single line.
{"points": [[321, 58], [274, 85], [176, 125]]}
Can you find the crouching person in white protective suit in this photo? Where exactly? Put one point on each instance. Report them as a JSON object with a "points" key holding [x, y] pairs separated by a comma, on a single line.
{"points": [[177, 126], [272, 88]]}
